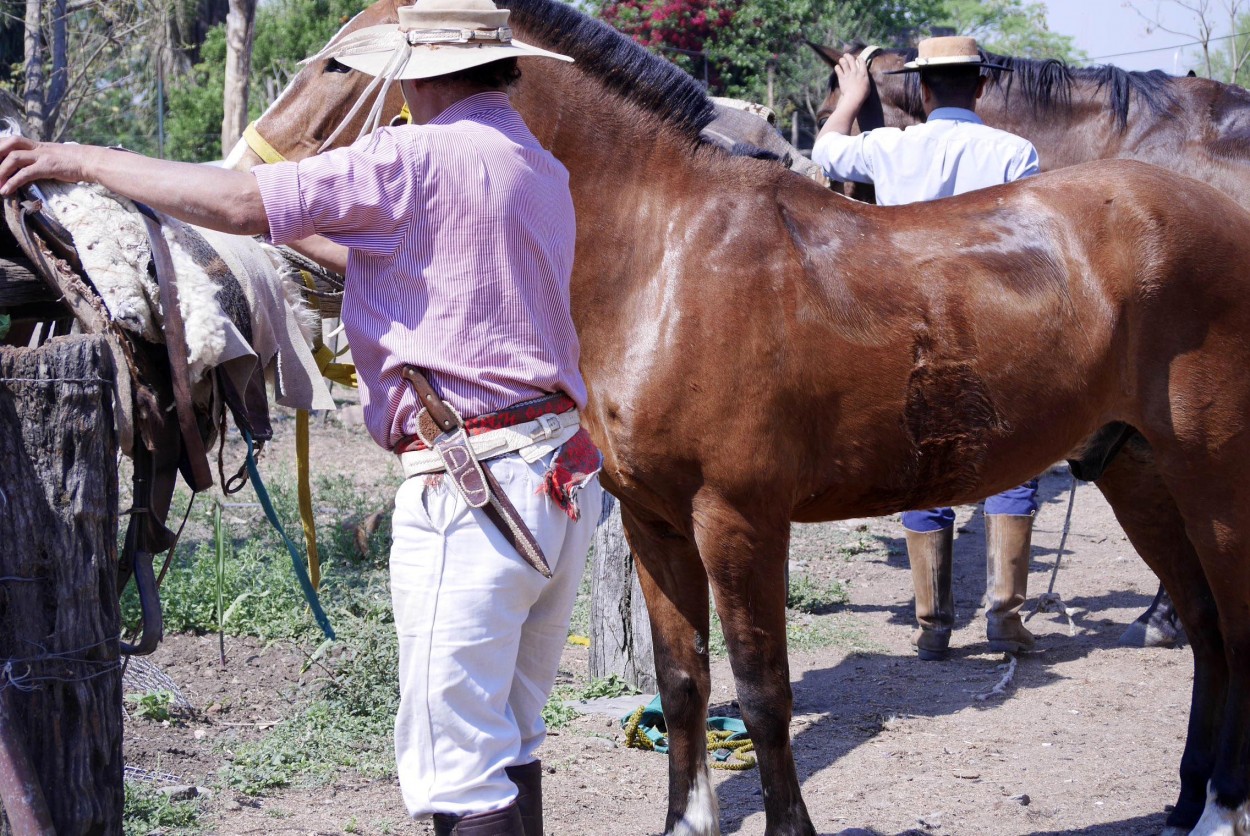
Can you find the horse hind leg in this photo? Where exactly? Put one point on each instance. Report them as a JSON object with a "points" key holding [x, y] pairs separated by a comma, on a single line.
{"points": [[1147, 511], [745, 555], [675, 587], [1207, 485]]}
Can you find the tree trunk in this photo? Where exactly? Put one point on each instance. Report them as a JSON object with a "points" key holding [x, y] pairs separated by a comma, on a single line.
{"points": [[620, 631], [239, 36], [58, 80], [59, 619], [33, 93]]}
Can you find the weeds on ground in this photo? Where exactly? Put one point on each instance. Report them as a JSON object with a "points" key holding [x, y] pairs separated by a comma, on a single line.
{"points": [[557, 715], [810, 596], [347, 727], [153, 705], [147, 810]]}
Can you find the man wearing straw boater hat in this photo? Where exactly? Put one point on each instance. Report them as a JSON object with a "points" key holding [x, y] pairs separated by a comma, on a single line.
{"points": [[456, 235], [952, 152]]}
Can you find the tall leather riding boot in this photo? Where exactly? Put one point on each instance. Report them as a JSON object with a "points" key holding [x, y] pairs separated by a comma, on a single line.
{"points": [[1008, 539], [529, 795], [505, 822], [929, 553]]}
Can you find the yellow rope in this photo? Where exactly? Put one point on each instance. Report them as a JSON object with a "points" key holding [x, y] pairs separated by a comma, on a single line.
{"points": [[305, 497], [636, 738], [741, 750]]}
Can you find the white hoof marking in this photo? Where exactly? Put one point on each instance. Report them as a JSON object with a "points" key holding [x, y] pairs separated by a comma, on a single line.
{"points": [[1218, 820], [702, 817]]}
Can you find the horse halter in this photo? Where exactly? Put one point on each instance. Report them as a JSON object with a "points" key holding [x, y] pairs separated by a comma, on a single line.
{"points": [[262, 148]]}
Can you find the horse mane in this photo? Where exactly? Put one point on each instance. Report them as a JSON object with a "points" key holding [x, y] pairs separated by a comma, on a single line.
{"points": [[620, 63], [1047, 84]]}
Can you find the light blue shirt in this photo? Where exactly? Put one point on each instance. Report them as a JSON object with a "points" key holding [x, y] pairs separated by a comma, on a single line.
{"points": [[952, 153]]}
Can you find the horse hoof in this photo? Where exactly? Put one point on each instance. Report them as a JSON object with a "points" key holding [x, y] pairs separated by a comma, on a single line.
{"points": [[1218, 820], [1145, 634]]}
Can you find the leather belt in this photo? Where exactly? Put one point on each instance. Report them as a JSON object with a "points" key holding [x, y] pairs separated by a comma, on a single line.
{"points": [[445, 435], [532, 439]]}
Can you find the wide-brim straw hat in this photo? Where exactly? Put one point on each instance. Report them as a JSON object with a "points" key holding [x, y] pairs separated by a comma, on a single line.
{"points": [[433, 38], [947, 52]]}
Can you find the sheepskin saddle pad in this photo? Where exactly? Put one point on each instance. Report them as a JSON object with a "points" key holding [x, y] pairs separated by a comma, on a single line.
{"points": [[240, 301]]}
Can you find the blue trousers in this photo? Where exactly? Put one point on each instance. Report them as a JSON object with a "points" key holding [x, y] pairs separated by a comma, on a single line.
{"points": [[1021, 502]]}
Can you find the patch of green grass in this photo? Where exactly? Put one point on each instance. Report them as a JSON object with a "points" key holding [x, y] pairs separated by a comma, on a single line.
{"points": [[348, 727], [148, 810], [809, 596], [261, 592], [863, 543]]}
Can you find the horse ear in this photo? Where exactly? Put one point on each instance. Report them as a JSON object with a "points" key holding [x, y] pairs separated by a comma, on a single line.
{"points": [[827, 53], [1191, 74]]}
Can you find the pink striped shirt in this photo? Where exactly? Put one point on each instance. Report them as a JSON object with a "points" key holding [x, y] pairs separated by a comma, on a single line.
{"points": [[461, 238]]}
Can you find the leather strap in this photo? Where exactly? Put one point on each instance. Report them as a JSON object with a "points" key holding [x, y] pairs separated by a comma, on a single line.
{"points": [[443, 416], [199, 475], [475, 483]]}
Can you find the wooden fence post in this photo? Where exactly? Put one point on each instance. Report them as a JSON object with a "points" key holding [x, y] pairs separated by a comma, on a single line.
{"points": [[620, 632], [59, 618]]}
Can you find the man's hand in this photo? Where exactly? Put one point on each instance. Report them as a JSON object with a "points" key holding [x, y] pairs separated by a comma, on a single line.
{"points": [[854, 85], [23, 160], [853, 81]]}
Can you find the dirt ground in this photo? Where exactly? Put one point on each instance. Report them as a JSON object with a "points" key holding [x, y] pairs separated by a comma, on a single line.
{"points": [[1085, 740]]}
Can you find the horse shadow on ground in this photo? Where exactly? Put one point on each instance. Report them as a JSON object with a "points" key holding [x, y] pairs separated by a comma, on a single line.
{"points": [[861, 697], [858, 698]]}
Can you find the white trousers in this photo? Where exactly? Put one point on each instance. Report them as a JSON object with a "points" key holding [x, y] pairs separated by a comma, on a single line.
{"points": [[480, 635]]}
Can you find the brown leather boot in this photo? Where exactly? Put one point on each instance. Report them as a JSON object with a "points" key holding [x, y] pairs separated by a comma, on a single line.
{"points": [[505, 822], [929, 553], [1008, 540], [529, 795]]}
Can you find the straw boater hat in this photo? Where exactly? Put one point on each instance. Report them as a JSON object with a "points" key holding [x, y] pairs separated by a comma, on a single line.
{"points": [[947, 53], [433, 38]]}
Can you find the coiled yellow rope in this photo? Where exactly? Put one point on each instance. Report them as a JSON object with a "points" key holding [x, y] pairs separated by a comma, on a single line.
{"points": [[717, 741]]}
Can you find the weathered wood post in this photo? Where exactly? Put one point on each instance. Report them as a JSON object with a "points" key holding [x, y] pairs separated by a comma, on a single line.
{"points": [[620, 633], [59, 618]]}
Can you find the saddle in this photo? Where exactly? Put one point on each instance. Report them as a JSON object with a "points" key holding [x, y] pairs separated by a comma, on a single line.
{"points": [[158, 421]]}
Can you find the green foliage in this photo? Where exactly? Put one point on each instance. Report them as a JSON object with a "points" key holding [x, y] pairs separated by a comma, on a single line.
{"points": [[287, 31], [557, 715], [348, 726], [1010, 27], [610, 686], [153, 705], [258, 585], [1227, 59], [6, 322], [768, 34], [809, 596], [148, 810]]}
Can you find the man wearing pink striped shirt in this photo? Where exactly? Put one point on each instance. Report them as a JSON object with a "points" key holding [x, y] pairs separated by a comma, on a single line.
{"points": [[456, 236]]}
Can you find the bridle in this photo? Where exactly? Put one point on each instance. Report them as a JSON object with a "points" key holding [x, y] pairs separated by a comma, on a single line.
{"points": [[264, 149]]}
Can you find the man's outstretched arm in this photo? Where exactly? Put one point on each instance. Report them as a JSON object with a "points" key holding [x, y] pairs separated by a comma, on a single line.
{"points": [[216, 198]]}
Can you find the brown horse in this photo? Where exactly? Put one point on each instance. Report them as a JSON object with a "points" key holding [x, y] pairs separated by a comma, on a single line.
{"points": [[759, 350], [1193, 126]]}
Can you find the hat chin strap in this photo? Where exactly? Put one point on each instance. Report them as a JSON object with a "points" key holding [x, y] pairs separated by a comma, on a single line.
{"points": [[381, 84]]}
